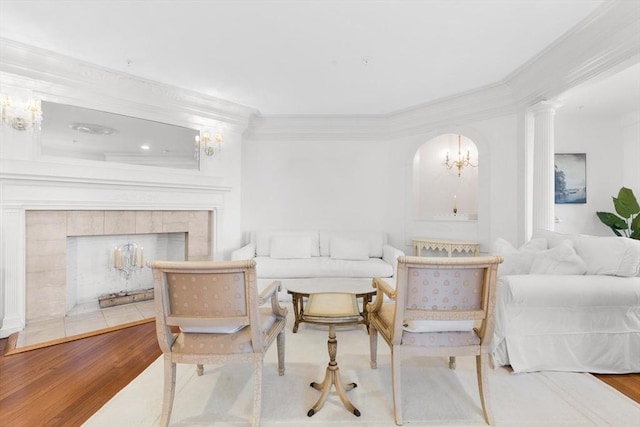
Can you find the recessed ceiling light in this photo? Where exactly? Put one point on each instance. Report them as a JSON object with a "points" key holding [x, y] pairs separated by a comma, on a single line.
{"points": [[92, 129], [144, 147]]}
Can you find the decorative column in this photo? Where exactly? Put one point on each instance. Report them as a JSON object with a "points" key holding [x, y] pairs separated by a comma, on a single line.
{"points": [[543, 165]]}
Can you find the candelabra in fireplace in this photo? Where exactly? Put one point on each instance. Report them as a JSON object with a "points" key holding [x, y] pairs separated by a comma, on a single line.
{"points": [[128, 259]]}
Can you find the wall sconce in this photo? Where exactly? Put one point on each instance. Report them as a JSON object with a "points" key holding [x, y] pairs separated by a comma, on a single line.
{"points": [[20, 115], [461, 162], [210, 148]]}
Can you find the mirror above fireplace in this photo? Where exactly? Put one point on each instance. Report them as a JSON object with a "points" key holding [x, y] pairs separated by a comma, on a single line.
{"points": [[82, 133]]}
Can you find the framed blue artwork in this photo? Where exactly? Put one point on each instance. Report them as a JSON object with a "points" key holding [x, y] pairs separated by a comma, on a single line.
{"points": [[571, 178]]}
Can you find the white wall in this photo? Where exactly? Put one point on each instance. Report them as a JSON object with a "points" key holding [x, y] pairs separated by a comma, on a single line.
{"points": [[366, 184], [310, 184], [602, 139], [631, 152], [228, 167]]}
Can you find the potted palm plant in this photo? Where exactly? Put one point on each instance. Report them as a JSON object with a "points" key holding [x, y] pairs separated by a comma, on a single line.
{"points": [[627, 224]]}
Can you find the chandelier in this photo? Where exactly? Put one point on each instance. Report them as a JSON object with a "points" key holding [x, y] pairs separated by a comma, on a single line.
{"points": [[461, 162], [20, 114]]}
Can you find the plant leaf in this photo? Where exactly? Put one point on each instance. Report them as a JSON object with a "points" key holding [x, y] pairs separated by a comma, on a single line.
{"points": [[626, 203], [612, 221], [635, 224]]}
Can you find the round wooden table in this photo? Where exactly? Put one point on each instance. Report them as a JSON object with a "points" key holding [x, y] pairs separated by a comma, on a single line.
{"points": [[300, 292], [333, 308]]}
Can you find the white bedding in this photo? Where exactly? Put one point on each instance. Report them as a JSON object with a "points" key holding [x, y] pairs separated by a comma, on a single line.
{"points": [[568, 323]]}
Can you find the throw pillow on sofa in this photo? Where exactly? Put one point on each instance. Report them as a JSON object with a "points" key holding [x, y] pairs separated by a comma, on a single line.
{"points": [[349, 249], [517, 261], [290, 247], [603, 255], [561, 259]]}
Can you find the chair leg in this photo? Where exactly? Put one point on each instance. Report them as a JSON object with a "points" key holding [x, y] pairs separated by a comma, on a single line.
{"points": [[482, 366], [199, 369], [396, 386], [169, 390], [373, 346], [280, 349], [257, 391]]}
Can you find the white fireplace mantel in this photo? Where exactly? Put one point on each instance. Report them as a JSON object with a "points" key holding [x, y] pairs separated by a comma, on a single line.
{"points": [[33, 185]]}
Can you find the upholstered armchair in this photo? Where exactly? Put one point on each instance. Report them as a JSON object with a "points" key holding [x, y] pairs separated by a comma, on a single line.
{"points": [[440, 307], [210, 313]]}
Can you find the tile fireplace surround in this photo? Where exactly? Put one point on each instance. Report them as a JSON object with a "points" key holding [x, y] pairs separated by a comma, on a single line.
{"points": [[42, 203], [46, 246]]}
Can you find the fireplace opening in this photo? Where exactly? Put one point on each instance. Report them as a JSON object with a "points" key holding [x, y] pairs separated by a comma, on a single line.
{"points": [[114, 269]]}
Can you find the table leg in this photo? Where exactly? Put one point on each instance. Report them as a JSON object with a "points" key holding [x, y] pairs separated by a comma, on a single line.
{"points": [[332, 377], [297, 301], [366, 299]]}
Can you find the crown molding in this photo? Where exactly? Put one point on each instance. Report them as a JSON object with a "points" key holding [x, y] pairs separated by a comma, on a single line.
{"points": [[607, 40], [60, 78], [461, 108], [479, 104]]}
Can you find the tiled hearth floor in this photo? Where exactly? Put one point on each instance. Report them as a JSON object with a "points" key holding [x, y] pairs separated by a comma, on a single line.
{"points": [[84, 324]]}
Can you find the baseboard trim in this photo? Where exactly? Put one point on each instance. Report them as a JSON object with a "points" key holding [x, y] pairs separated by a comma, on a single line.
{"points": [[12, 340]]}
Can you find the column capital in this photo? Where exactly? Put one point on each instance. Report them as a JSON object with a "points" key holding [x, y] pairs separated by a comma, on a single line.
{"points": [[545, 107]]}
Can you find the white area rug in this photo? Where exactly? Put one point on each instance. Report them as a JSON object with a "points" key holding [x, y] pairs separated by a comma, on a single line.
{"points": [[433, 394]]}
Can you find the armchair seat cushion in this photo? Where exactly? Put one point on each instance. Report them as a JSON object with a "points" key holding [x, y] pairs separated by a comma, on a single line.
{"points": [[426, 334], [222, 343], [440, 339]]}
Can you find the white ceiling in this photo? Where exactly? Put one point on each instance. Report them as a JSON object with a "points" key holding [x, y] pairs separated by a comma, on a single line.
{"points": [[609, 96], [302, 56]]}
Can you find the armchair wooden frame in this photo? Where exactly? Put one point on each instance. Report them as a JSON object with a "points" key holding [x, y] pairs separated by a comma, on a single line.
{"points": [[185, 334], [391, 321]]}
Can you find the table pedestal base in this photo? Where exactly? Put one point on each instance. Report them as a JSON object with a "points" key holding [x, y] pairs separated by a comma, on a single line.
{"points": [[332, 377]]}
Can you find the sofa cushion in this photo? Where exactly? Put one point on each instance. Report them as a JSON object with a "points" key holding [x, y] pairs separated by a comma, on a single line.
{"points": [[561, 259], [375, 239], [267, 267], [262, 239], [615, 256], [283, 246], [353, 249], [607, 255], [517, 261]]}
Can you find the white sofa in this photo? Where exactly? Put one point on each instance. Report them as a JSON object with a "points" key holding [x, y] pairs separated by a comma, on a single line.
{"points": [[568, 303], [330, 260]]}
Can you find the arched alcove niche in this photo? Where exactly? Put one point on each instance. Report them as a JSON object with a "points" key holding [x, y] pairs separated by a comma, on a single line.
{"points": [[438, 190]]}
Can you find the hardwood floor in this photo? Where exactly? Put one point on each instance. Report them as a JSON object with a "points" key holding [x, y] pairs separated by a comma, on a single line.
{"points": [[627, 384], [63, 385]]}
